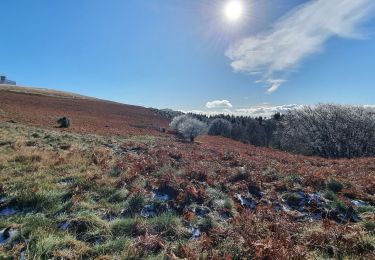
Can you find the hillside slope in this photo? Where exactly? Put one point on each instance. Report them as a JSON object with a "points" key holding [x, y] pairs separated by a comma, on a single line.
{"points": [[127, 191], [42, 108]]}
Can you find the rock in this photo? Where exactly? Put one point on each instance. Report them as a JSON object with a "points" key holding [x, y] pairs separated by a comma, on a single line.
{"points": [[64, 122], [161, 196]]}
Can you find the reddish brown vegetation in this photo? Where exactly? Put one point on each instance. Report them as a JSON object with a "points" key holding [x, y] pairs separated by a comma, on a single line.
{"points": [[88, 115], [188, 172]]}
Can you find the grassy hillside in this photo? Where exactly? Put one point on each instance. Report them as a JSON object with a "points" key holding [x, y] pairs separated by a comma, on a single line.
{"points": [[74, 195]]}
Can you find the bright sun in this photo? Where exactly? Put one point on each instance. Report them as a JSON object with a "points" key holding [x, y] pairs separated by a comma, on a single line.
{"points": [[233, 10]]}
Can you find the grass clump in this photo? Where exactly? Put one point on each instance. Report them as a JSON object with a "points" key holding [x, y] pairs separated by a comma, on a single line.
{"points": [[115, 246], [366, 209], [334, 185], [166, 224], [207, 224], [42, 201], [119, 196], [330, 195], [115, 172], [128, 227], [46, 245], [88, 227], [136, 203], [369, 225], [37, 221], [27, 158], [338, 205]]}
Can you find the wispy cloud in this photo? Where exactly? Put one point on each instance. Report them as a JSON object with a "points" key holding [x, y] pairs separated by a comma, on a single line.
{"points": [[218, 104], [299, 34], [273, 84]]}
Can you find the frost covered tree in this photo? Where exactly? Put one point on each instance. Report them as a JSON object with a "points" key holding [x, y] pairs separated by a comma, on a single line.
{"points": [[220, 126], [176, 121], [188, 127], [330, 131]]}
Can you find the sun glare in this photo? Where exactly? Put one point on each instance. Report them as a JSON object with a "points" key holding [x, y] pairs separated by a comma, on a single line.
{"points": [[233, 10]]}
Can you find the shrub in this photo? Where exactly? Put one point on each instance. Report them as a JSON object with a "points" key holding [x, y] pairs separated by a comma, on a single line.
{"points": [[177, 121], [188, 127], [166, 223], [330, 131], [64, 122], [207, 224], [128, 227], [335, 186], [369, 226], [221, 127], [136, 203], [330, 195], [115, 172], [368, 208]]}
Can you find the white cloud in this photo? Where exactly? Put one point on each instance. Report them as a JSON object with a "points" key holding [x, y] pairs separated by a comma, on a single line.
{"points": [[264, 110], [299, 34], [218, 104], [273, 84]]}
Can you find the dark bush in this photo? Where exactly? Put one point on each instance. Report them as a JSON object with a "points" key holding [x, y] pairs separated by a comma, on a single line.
{"points": [[335, 186], [64, 122], [221, 127]]}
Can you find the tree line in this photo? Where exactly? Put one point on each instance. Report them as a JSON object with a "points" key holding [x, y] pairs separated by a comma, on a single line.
{"points": [[327, 130]]}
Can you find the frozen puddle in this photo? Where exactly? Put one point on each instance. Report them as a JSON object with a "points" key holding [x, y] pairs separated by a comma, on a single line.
{"points": [[7, 234], [246, 202], [148, 211], [161, 196], [359, 203], [7, 212]]}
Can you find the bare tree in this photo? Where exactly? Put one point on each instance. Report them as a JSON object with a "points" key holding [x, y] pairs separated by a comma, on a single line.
{"points": [[330, 131], [176, 121], [188, 127]]}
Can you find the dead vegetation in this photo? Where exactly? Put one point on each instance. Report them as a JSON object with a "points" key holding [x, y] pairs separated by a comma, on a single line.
{"points": [[69, 196]]}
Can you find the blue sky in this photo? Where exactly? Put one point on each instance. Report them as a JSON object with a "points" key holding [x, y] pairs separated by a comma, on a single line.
{"points": [[182, 54]]}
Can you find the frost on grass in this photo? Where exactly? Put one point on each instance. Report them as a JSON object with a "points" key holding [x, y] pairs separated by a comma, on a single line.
{"points": [[156, 198]]}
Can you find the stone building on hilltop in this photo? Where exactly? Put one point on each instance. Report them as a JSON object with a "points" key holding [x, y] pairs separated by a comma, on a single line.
{"points": [[4, 80]]}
